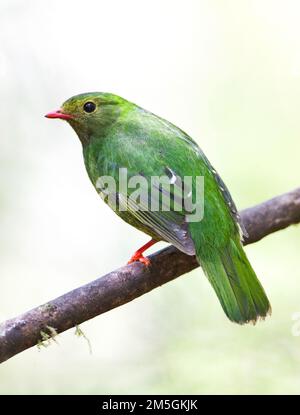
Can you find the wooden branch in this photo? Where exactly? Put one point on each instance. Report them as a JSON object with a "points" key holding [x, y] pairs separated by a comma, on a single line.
{"points": [[131, 281]]}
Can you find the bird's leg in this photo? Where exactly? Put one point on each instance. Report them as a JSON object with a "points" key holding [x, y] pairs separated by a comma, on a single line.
{"points": [[138, 255]]}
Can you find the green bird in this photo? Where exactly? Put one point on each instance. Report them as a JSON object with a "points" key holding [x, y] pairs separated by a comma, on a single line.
{"points": [[117, 135]]}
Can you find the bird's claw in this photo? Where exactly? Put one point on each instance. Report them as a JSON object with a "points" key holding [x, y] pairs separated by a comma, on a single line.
{"points": [[139, 258]]}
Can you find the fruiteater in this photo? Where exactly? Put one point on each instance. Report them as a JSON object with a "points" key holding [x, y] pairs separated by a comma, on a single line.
{"points": [[117, 134]]}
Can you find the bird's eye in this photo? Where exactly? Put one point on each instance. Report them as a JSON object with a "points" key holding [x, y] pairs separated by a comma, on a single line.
{"points": [[89, 107]]}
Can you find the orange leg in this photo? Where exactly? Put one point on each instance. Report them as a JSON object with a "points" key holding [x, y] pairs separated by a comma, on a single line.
{"points": [[138, 255]]}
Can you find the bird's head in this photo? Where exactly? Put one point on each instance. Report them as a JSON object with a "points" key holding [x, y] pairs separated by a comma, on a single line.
{"points": [[91, 113]]}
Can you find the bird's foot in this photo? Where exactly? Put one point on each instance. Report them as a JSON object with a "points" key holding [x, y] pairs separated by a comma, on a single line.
{"points": [[138, 255]]}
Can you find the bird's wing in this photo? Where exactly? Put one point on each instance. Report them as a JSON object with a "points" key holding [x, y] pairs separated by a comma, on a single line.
{"points": [[230, 203], [157, 205], [181, 135], [227, 197], [161, 210]]}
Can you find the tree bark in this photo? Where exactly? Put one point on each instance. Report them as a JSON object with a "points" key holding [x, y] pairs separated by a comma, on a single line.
{"points": [[131, 281]]}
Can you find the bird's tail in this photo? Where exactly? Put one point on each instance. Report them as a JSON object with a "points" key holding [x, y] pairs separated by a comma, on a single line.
{"points": [[240, 293]]}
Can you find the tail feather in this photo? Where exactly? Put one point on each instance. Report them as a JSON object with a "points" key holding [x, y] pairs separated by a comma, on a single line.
{"points": [[235, 283]]}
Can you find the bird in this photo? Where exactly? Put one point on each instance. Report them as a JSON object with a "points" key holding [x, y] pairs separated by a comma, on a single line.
{"points": [[118, 135]]}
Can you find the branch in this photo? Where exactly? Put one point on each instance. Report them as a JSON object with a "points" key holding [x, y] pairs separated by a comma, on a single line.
{"points": [[131, 281]]}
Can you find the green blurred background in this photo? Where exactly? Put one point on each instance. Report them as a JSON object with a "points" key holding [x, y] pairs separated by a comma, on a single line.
{"points": [[228, 73]]}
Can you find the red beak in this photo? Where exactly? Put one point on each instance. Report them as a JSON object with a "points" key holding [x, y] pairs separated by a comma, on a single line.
{"points": [[59, 114]]}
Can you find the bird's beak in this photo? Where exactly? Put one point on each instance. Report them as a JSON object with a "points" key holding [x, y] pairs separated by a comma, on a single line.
{"points": [[59, 114]]}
